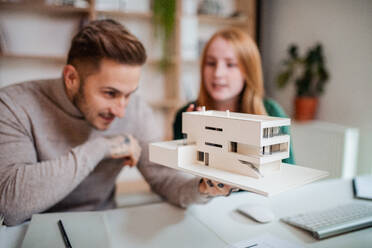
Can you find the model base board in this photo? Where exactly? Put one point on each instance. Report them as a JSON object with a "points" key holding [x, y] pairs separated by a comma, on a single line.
{"points": [[178, 155]]}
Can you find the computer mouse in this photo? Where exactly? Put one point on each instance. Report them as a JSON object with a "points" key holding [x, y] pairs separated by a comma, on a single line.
{"points": [[259, 213]]}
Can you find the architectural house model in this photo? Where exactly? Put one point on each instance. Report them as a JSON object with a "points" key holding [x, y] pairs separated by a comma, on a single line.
{"points": [[241, 150]]}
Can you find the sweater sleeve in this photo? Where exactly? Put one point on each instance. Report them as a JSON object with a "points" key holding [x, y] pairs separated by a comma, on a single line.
{"points": [[176, 187], [274, 109], [29, 186]]}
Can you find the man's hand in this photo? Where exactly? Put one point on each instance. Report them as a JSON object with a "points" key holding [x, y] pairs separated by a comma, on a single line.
{"points": [[127, 147], [213, 188]]}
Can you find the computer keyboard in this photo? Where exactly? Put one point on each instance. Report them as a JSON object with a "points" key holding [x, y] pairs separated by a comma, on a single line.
{"points": [[337, 220]]}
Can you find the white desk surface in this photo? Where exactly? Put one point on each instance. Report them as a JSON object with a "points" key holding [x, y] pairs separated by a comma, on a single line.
{"points": [[162, 225]]}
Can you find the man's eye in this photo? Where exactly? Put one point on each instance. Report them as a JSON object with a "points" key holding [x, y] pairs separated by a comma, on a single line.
{"points": [[110, 93]]}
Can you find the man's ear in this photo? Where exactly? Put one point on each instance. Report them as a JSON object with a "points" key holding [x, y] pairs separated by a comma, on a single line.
{"points": [[71, 79]]}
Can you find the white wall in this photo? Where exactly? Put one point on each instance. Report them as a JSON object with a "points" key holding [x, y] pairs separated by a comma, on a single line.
{"points": [[344, 28]]}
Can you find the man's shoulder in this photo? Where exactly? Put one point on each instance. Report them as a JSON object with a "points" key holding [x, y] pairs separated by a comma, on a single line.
{"points": [[26, 88], [25, 97]]}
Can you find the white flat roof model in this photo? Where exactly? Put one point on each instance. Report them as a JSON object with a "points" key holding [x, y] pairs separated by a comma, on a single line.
{"points": [[264, 120], [238, 149], [175, 154], [235, 115]]}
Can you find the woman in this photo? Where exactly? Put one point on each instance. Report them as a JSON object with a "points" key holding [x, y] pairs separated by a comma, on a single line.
{"points": [[231, 79]]}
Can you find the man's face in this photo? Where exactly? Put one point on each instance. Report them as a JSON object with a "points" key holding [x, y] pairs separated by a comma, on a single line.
{"points": [[104, 95]]}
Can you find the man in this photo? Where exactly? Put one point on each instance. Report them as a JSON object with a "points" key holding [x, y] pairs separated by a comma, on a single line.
{"points": [[61, 145]]}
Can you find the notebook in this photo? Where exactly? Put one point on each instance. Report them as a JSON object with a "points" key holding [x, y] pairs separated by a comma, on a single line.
{"points": [[84, 229], [148, 226], [363, 187]]}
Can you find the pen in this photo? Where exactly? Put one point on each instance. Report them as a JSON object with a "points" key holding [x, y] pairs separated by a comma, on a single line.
{"points": [[64, 235], [251, 246]]}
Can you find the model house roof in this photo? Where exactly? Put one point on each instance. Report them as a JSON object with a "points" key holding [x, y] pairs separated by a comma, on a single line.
{"points": [[242, 116]]}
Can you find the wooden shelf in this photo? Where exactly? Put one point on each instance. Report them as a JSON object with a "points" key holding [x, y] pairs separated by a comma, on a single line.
{"points": [[223, 20], [61, 59], [166, 104], [44, 8], [179, 66], [118, 13], [58, 59]]}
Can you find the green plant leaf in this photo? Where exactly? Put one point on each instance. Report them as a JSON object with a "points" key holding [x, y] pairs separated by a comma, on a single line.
{"points": [[308, 72], [164, 16], [283, 79]]}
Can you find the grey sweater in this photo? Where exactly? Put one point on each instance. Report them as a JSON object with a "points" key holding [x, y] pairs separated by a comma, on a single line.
{"points": [[51, 159]]}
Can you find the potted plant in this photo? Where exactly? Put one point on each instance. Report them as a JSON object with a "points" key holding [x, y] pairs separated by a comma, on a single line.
{"points": [[309, 74], [164, 16]]}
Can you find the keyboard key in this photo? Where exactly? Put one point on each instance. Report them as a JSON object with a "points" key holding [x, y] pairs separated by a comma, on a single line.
{"points": [[333, 221]]}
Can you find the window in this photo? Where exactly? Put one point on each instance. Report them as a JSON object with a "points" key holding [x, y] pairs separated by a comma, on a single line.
{"points": [[271, 132], [200, 156], [207, 159], [213, 144], [276, 131], [275, 148], [233, 146], [266, 150], [214, 128]]}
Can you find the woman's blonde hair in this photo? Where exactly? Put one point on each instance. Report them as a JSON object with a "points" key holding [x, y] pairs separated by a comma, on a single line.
{"points": [[249, 61]]}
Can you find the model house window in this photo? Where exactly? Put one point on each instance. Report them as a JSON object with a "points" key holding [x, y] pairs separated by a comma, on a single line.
{"points": [[214, 128], [233, 146], [275, 131], [266, 150], [213, 144], [275, 148], [271, 132], [200, 156], [207, 159]]}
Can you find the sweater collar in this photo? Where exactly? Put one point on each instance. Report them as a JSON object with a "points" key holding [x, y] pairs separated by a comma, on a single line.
{"points": [[60, 97]]}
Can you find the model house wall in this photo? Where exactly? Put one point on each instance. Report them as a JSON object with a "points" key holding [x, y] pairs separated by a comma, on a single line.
{"points": [[240, 150], [246, 144]]}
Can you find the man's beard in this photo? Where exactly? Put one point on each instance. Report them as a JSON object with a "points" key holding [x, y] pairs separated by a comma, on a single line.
{"points": [[79, 100], [80, 103]]}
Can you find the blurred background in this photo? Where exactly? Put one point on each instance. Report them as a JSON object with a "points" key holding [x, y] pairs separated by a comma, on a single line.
{"points": [[35, 37]]}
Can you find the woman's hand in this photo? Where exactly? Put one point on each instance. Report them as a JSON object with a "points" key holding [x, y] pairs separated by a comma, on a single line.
{"points": [[193, 107]]}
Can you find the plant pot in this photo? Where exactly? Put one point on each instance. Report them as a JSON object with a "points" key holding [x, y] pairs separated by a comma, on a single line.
{"points": [[305, 108]]}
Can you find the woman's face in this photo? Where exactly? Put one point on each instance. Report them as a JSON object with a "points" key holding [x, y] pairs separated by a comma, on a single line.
{"points": [[222, 75]]}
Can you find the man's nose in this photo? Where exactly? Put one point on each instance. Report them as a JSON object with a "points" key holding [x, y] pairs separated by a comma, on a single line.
{"points": [[119, 108]]}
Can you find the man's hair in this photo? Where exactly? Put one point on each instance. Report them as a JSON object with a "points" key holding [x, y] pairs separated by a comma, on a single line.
{"points": [[105, 39]]}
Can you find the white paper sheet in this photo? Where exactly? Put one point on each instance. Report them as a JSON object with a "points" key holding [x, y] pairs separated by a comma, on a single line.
{"points": [[84, 229], [264, 241]]}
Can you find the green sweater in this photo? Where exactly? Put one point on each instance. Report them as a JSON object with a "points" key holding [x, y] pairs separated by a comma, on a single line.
{"points": [[272, 109]]}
